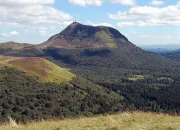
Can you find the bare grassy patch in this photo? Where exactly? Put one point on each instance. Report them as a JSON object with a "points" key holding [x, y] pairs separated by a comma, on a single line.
{"points": [[39, 67], [123, 121]]}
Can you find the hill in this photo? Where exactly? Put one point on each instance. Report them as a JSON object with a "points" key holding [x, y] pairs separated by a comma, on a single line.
{"points": [[161, 49], [57, 94], [173, 55], [77, 35], [142, 78], [122, 121], [14, 46], [38, 67], [98, 53], [158, 50], [101, 57]]}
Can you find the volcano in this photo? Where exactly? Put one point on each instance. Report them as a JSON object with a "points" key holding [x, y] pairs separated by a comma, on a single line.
{"points": [[77, 35]]}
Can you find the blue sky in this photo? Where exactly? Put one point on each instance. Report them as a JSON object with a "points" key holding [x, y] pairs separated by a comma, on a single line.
{"points": [[143, 22]]}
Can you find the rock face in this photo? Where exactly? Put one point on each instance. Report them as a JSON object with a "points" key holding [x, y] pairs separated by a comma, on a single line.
{"points": [[77, 35]]}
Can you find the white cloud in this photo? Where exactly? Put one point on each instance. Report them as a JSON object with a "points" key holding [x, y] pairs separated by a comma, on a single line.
{"points": [[41, 28], [149, 16], [140, 12], [148, 23], [13, 33], [24, 2], [99, 24], [47, 30], [126, 24], [3, 35], [32, 12], [43, 32], [86, 2], [124, 2], [64, 24], [153, 39], [156, 2], [100, 2]]}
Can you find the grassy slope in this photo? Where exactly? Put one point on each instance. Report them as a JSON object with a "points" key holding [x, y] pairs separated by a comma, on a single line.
{"points": [[106, 38], [34, 66], [124, 121], [136, 77]]}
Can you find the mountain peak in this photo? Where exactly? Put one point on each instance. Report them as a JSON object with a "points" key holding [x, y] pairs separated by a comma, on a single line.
{"points": [[77, 35], [74, 24]]}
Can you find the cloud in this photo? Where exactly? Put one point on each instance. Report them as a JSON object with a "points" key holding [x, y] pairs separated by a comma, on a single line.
{"points": [[86, 2], [148, 16], [155, 39], [43, 32], [64, 24], [140, 12], [100, 2], [123, 2], [13, 33], [24, 2], [30, 12], [148, 23], [99, 24], [152, 39], [156, 2], [48, 29]]}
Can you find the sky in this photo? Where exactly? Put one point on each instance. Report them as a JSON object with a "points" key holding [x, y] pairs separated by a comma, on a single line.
{"points": [[143, 22]]}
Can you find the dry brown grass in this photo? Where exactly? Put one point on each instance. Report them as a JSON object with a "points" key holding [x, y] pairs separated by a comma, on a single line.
{"points": [[123, 121], [35, 66]]}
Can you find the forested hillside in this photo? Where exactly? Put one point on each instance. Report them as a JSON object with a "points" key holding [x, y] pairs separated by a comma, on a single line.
{"points": [[173, 55], [24, 98]]}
